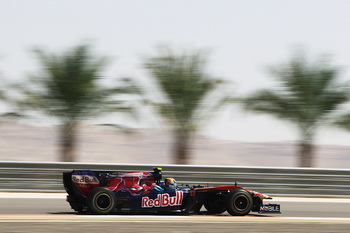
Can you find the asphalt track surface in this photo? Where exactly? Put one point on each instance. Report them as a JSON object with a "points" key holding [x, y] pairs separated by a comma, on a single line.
{"points": [[21, 212]]}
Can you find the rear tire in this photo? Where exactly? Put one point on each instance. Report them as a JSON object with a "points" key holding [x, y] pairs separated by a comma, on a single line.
{"points": [[239, 202], [101, 201]]}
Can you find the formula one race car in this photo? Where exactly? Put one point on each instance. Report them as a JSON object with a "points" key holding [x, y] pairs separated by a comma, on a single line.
{"points": [[105, 192]]}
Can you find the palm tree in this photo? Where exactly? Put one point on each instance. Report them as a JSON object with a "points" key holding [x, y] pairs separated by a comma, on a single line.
{"points": [[306, 96], [68, 89], [190, 96], [2, 94], [343, 121], [5, 98], [2, 99]]}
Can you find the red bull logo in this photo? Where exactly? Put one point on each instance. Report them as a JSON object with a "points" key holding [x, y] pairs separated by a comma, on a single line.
{"points": [[85, 179], [163, 200]]}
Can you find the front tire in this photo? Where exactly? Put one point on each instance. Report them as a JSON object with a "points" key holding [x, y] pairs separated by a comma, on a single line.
{"points": [[239, 202], [101, 201]]}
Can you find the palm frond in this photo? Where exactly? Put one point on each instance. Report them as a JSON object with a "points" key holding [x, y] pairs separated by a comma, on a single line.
{"points": [[306, 95], [183, 80]]}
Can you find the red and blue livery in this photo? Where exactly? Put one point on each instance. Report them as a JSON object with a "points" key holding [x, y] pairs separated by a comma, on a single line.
{"points": [[106, 192]]}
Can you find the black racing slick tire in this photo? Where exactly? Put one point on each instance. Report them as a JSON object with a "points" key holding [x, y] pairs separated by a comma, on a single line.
{"points": [[101, 201], [239, 202]]}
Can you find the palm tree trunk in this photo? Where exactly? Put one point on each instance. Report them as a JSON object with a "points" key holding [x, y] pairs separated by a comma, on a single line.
{"points": [[181, 152], [68, 142], [306, 153], [306, 147]]}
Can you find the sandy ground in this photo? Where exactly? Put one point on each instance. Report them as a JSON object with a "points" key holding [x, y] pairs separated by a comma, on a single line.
{"points": [[20, 142]]}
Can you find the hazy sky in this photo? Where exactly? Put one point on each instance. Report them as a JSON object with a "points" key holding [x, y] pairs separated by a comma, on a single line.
{"points": [[243, 36]]}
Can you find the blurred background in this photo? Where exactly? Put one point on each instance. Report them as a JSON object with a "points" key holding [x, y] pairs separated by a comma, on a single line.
{"points": [[246, 83]]}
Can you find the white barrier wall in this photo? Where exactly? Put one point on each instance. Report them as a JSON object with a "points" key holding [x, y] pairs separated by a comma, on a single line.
{"points": [[47, 177]]}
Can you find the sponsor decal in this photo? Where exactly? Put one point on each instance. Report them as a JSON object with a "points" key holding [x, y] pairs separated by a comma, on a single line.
{"points": [[163, 200], [269, 208], [85, 179]]}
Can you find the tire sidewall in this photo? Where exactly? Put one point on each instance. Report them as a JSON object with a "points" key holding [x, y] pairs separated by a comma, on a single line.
{"points": [[100, 192], [233, 199]]}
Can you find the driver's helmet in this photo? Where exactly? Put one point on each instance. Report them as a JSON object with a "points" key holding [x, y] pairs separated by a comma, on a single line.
{"points": [[170, 182]]}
